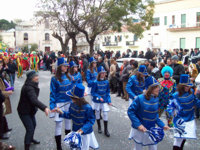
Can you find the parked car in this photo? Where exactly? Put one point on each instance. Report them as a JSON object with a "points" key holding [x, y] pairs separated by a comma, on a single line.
{"points": [[139, 60]]}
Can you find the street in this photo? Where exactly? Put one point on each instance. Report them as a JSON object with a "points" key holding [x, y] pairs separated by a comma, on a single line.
{"points": [[119, 124]]}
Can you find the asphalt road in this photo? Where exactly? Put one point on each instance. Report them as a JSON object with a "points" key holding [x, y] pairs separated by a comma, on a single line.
{"points": [[119, 124]]}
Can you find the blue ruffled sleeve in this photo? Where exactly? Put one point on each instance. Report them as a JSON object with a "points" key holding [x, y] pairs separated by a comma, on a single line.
{"points": [[90, 120], [132, 111], [53, 87]]}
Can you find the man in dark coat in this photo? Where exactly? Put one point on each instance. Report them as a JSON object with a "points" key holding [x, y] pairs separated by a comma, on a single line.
{"points": [[28, 105], [149, 54], [178, 68], [155, 72]]}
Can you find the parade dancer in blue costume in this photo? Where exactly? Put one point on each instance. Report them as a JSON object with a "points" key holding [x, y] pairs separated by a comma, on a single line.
{"points": [[74, 74], [91, 76], [101, 98], [135, 85], [60, 83], [83, 117], [184, 102], [143, 114]]}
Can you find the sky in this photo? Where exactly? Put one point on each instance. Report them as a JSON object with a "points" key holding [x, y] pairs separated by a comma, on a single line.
{"points": [[19, 9]]}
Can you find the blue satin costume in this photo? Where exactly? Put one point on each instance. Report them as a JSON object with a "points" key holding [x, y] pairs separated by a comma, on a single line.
{"points": [[91, 77], [99, 90], [82, 118], [134, 87], [58, 91], [145, 112]]}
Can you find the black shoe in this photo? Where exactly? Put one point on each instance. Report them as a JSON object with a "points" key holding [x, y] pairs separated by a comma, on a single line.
{"points": [[35, 141], [106, 129], [58, 142], [27, 147], [67, 132], [99, 126], [176, 148], [4, 138], [9, 130]]}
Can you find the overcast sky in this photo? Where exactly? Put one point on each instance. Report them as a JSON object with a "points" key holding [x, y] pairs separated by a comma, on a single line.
{"points": [[19, 9]]}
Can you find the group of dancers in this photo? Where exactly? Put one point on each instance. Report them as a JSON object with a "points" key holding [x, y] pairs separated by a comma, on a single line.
{"points": [[149, 98], [22, 60]]}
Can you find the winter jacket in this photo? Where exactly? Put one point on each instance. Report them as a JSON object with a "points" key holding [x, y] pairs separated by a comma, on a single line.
{"points": [[178, 70], [155, 73], [29, 103], [126, 73], [12, 68]]}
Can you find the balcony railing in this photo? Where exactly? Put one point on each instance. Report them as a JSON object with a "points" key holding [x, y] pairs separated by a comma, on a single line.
{"points": [[110, 44], [129, 43], [184, 27]]}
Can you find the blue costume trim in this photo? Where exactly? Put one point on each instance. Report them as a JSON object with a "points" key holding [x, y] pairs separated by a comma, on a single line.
{"points": [[83, 120], [100, 90], [58, 91], [138, 116], [91, 77], [134, 87]]}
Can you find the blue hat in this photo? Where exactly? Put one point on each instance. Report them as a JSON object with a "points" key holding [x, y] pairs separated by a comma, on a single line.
{"points": [[167, 69], [77, 91], [151, 81], [143, 69], [92, 59], [185, 80], [101, 69], [72, 64], [61, 61]]}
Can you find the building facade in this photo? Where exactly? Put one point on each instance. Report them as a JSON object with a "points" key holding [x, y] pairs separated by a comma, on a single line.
{"points": [[176, 24], [30, 32]]}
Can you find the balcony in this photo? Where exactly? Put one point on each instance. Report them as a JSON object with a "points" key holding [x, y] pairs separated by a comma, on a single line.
{"points": [[110, 43], [184, 27], [130, 43]]}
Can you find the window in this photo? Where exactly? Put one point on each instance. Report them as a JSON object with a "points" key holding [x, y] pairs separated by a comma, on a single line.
{"points": [[46, 36], [47, 49], [198, 42], [182, 43], [25, 36], [156, 21], [135, 38], [183, 20], [173, 19], [46, 24], [165, 20], [198, 19]]}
